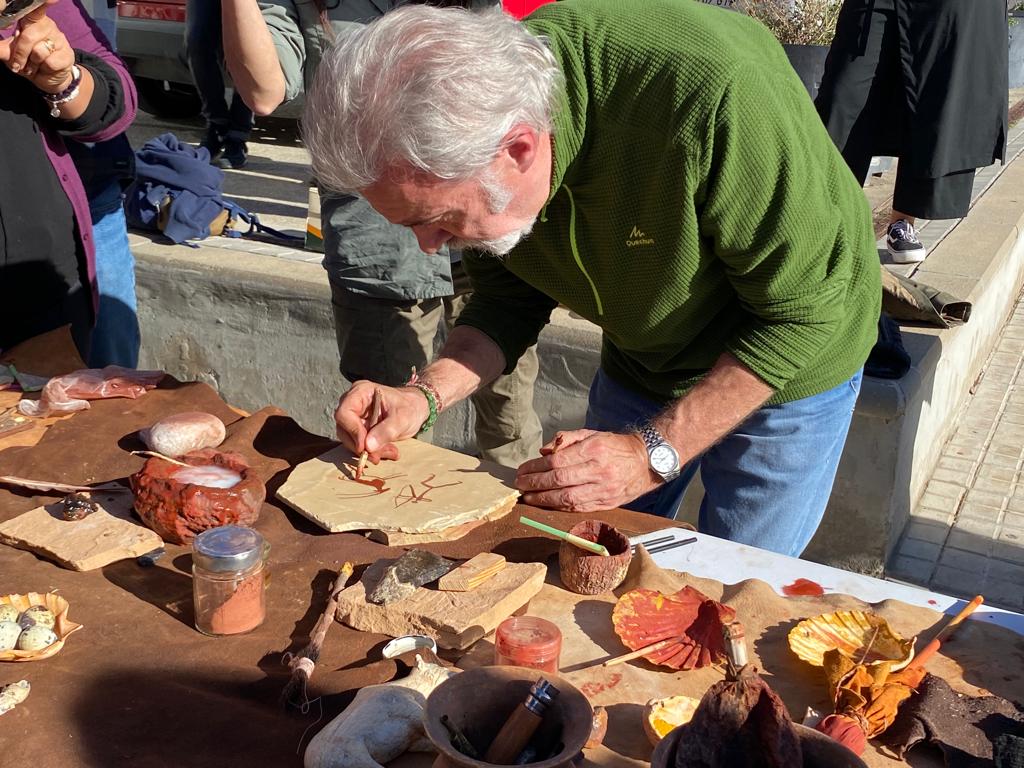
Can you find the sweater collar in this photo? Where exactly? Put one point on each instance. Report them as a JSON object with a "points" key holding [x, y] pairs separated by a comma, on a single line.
{"points": [[570, 118]]}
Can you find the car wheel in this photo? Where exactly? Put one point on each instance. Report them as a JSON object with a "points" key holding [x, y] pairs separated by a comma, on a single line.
{"points": [[165, 99]]}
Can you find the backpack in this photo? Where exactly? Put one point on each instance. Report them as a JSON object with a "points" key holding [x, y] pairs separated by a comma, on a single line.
{"points": [[177, 192]]}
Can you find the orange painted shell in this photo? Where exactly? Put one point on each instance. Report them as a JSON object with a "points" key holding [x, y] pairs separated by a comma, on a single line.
{"points": [[688, 618]]}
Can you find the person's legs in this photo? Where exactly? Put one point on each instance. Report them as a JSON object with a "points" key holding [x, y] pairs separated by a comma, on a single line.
{"points": [[381, 340], [944, 197], [115, 337], [203, 46], [240, 119], [861, 82], [508, 430], [767, 484]]}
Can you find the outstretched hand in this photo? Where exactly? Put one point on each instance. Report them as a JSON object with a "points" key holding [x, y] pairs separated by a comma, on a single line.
{"points": [[403, 411], [587, 471]]}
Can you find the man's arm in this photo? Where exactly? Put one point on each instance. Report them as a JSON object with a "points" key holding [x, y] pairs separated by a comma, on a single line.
{"points": [[251, 57], [468, 361], [719, 403], [593, 471]]}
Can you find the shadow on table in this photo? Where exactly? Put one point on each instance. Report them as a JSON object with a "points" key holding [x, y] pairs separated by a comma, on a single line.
{"points": [[153, 718], [169, 590]]}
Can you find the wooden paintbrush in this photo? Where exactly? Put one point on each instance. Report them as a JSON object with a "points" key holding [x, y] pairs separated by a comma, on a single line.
{"points": [[374, 420], [304, 662]]}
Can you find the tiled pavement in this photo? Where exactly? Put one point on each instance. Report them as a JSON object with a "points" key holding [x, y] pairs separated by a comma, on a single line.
{"points": [[966, 536]]}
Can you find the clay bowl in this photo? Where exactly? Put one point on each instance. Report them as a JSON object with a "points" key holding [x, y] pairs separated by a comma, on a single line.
{"points": [[178, 511], [819, 751], [478, 703], [587, 573]]}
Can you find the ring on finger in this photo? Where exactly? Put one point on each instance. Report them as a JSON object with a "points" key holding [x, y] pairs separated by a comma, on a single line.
{"points": [[50, 45]]}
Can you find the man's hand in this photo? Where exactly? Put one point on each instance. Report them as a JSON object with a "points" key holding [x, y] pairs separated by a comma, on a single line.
{"points": [[39, 52], [589, 472], [403, 411]]}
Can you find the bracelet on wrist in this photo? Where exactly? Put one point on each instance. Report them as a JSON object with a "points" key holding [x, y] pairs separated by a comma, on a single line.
{"points": [[434, 403], [70, 93]]}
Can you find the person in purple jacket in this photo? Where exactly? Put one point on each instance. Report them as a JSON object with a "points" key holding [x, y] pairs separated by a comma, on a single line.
{"points": [[58, 83]]}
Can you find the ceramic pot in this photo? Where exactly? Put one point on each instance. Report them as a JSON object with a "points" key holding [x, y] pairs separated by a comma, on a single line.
{"points": [[178, 511], [479, 701], [587, 573], [809, 63]]}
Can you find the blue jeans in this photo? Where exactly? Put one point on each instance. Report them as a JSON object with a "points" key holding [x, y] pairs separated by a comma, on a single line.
{"points": [[204, 47], [115, 337], [767, 483]]}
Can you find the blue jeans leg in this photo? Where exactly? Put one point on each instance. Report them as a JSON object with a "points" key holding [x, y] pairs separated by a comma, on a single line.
{"points": [[115, 338], [767, 484]]}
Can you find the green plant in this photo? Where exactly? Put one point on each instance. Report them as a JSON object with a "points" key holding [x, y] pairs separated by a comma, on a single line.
{"points": [[796, 22]]}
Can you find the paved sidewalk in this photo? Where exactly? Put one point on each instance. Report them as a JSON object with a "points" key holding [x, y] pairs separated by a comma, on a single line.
{"points": [[966, 536]]}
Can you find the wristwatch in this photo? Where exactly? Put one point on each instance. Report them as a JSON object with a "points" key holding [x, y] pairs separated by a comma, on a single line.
{"points": [[662, 457]]}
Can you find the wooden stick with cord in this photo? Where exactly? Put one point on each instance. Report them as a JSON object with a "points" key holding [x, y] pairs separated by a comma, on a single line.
{"points": [[374, 420], [304, 662], [929, 650]]}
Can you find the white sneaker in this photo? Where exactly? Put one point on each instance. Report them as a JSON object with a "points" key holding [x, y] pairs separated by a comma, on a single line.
{"points": [[903, 243]]}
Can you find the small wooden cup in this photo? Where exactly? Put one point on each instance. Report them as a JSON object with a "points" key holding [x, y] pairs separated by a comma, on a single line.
{"points": [[587, 573]]}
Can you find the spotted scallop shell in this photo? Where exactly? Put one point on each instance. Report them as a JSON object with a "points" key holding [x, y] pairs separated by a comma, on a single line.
{"points": [[862, 637]]}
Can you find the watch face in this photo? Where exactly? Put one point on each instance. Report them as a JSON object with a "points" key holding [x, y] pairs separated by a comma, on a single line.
{"points": [[663, 459]]}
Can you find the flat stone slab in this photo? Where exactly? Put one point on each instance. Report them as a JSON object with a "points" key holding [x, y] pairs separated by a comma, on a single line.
{"points": [[107, 535], [453, 619], [428, 490]]}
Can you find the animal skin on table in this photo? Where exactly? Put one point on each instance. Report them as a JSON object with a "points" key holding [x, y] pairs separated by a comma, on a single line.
{"points": [[427, 491]]}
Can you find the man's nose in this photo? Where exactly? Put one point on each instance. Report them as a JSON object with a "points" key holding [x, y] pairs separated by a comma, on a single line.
{"points": [[431, 238]]}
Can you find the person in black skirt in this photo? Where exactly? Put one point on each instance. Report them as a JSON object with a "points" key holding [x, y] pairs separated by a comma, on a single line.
{"points": [[925, 81]]}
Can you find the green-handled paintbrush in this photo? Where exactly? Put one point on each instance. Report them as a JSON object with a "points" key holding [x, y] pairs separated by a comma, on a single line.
{"points": [[572, 538]]}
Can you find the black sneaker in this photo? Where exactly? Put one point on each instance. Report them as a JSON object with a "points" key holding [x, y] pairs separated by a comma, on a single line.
{"points": [[236, 154], [903, 243], [213, 142]]}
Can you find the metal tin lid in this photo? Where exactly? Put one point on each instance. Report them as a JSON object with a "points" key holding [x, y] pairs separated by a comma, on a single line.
{"points": [[227, 548]]}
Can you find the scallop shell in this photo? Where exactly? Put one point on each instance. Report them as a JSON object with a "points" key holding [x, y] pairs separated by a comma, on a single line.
{"points": [[63, 626], [851, 633], [688, 618]]}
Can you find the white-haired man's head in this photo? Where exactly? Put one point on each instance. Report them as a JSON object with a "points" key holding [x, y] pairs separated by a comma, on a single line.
{"points": [[442, 119]]}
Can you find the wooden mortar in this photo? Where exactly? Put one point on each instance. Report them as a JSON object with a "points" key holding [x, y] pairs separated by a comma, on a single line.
{"points": [[479, 701], [178, 511], [587, 573]]}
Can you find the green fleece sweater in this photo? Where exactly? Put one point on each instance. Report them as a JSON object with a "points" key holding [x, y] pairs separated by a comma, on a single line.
{"points": [[697, 207]]}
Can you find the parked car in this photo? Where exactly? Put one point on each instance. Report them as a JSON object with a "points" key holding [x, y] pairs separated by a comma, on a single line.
{"points": [[151, 40]]}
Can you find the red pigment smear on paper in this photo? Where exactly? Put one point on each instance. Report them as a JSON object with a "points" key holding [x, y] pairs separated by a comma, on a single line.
{"points": [[803, 588], [933, 602], [593, 689]]}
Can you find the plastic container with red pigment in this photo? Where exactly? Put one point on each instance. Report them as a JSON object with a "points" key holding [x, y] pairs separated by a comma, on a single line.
{"points": [[528, 641]]}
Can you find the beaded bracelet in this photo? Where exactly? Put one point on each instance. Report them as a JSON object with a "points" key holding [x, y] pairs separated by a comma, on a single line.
{"points": [[434, 402], [57, 100]]}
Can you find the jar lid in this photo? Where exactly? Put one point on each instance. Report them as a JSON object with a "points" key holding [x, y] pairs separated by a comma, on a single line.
{"points": [[227, 548], [528, 637]]}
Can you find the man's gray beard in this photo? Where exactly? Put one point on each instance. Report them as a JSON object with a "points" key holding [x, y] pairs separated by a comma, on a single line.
{"points": [[499, 246]]}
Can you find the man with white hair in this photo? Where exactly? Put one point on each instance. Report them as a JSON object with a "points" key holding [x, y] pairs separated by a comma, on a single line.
{"points": [[657, 167]]}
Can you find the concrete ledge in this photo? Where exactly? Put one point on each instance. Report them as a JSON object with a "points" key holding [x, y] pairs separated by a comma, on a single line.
{"points": [[900, 427]]}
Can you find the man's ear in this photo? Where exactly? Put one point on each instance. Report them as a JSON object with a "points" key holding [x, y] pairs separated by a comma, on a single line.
{"points": [[520, 147]]}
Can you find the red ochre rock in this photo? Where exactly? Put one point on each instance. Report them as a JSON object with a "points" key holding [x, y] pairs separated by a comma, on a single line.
{"points": [[178, 511]]}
